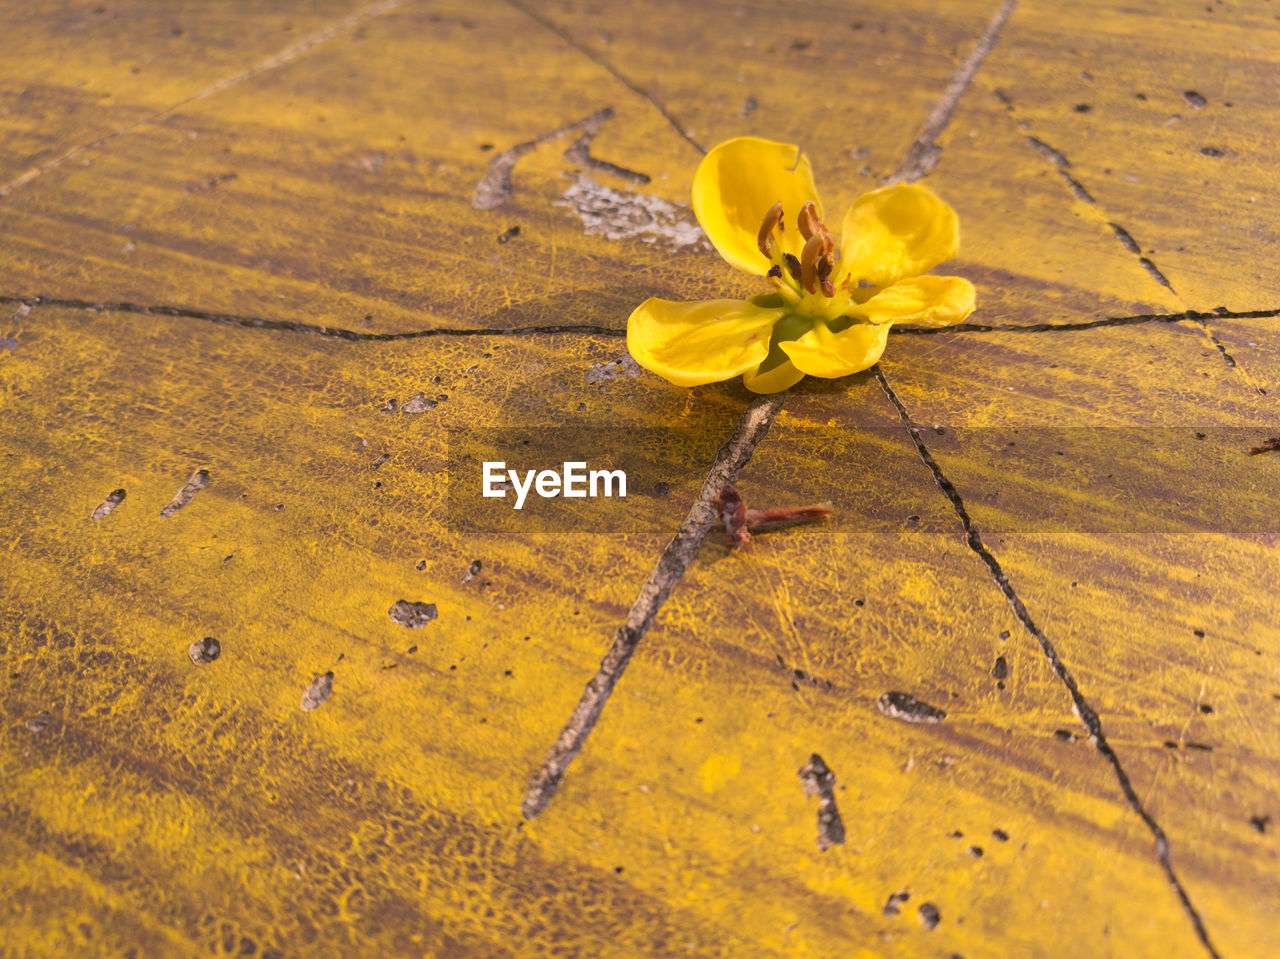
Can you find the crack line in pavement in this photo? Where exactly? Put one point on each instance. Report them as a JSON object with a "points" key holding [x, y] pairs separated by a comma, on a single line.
{"points": [[752, 428], [923, 154], [292, 326], [495, 187], [280, 59], [1086, 713], [1135, 320], [341, 333], [606, 65]]}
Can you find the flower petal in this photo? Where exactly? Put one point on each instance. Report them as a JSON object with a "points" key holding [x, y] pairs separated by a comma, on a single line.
{"points": [[895, 232], [823, 353], [689, 344], [922, 300], [737, 183], [781, 377]]}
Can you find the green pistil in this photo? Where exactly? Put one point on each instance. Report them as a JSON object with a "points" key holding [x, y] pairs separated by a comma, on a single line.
{"points": [[790, 327]]}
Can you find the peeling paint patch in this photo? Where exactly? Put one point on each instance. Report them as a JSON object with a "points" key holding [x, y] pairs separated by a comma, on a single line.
{"points": [[412, 615], [580, 153], [907, 708], [199, 480], [819, 780], [929, 915], [418, 403], [623, 216], [614, 369], [105, 508], [204, 651], [321, 688], [894, 904], [495, 187]]}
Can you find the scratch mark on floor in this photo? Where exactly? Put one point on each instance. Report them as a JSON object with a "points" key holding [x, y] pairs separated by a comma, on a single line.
{"points": [[1129, 243], [1062, 164]]}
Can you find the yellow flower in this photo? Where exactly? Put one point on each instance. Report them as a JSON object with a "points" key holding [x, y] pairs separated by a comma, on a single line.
{"points": [[831, 309]]}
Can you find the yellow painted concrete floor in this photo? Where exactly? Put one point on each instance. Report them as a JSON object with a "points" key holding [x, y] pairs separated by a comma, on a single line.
{"points": [[296, 253]]}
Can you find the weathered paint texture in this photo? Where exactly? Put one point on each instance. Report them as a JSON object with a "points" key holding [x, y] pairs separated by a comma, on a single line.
{"points": [[263, 694]]}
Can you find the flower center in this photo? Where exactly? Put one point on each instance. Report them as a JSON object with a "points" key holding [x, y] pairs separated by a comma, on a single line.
{"points": [[811, 271]]}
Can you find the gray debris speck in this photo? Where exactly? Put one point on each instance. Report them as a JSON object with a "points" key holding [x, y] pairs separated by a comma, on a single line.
{"points": [[614, 369], [418, 403], [908, 709], [204, 651], [320, 689], [412, 615]]}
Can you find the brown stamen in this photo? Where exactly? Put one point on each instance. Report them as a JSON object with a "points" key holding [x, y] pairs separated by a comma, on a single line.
{"points": [[764, 239], [775, 272], [818, 246], [739, 521], [808, 221], [826, 264]]}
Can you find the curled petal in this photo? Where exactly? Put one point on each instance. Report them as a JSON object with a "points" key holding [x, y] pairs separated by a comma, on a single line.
{"points": [[921, 300], [781, 377], [736, 185], [895, 232], [823, 353], [689, 344]]}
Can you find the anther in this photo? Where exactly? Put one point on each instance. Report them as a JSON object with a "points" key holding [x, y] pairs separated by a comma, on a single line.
{"points": [[775, 272], [826, 264], [808, 221], [817, 247], [764, 239]]}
